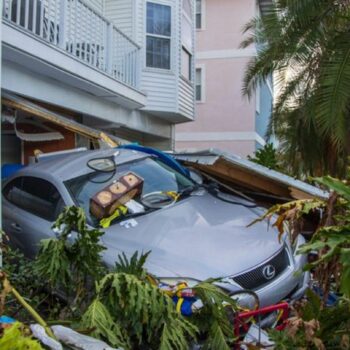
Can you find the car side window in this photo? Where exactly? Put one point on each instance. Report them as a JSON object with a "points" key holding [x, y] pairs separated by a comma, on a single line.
{"points": [[35, 195]]}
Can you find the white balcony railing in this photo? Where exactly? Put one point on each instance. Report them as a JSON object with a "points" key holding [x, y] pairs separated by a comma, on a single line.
{"points": [[79, 30]]}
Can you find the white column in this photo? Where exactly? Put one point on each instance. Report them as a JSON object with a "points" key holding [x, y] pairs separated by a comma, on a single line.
{"points": [[63, 21]]}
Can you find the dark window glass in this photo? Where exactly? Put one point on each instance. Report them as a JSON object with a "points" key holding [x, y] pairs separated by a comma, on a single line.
{"points": [[198, 20], [198, 14], [158, 19], [158, 36], [36, 196], [198, 84], [158, 52], [186, 64]]}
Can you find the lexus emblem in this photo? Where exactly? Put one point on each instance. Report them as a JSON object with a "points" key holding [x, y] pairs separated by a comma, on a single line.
{"points": [[269, 272]]}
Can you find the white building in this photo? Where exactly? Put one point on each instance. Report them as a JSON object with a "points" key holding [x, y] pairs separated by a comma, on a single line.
{"points": [[122, 66]]}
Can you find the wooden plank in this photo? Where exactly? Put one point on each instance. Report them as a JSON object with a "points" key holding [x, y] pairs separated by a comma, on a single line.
{"points": [[243, 177], [40, 112]]}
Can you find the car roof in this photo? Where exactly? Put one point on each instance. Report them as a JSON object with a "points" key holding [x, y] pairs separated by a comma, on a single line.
{"points": [[72, 165]]}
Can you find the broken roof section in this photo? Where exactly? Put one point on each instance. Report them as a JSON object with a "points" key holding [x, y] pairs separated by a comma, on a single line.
{"points": [[33, 109], [232, 169]]}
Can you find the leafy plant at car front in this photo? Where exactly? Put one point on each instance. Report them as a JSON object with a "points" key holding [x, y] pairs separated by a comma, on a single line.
{"points": [[316, 326], [141, 315], [72, 260], [126, 308]]}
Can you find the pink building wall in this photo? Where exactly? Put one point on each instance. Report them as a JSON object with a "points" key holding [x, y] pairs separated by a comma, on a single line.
{"points": [[224, 119]]}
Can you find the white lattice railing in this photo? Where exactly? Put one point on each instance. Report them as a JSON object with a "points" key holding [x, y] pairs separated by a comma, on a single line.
{"points": [[81, 31]]}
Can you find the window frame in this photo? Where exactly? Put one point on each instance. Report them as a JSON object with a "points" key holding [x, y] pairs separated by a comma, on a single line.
{"points": [[22, 178], [200, 67], [203, 15], [159, 36], [184, 47], [189, 63]]}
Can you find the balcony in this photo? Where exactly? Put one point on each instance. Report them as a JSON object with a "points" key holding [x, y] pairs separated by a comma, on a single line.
{"points": [[73, 30]]}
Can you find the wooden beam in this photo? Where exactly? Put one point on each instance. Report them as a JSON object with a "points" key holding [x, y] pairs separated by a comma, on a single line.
{"points": [[31, 108]]}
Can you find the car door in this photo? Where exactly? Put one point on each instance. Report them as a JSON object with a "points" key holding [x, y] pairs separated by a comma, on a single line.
{"points": [[31, 205]]}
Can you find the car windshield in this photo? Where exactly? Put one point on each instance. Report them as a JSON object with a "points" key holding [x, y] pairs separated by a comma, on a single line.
{"points": [[157, 176]]}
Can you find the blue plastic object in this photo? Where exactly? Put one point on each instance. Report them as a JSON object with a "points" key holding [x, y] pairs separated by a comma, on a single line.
{"points": [[186, 305], [9, 169], [166, 158], [7, 320], [332, 298]]}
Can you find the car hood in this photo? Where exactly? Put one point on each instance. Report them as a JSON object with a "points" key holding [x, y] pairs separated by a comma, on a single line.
{"points": [[199, 237]]}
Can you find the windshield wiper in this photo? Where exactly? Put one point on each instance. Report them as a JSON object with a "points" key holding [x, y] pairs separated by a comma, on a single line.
{"points": [[187, 191]]}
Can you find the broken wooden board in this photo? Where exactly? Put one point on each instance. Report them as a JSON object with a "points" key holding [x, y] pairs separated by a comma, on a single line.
{"points": [[236, 171]]}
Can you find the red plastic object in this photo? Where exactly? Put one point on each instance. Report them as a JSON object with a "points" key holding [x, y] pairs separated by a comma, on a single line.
{"points": [[240, 326]]}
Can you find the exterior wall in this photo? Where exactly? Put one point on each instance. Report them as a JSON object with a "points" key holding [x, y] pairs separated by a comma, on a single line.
{"points": [[225, 119], [96, 4], [167, 94], [160, 85], [186, 98], [121, 13], [262, 117], [242, 148], [109, 114], [147, 111], [224, 20]]}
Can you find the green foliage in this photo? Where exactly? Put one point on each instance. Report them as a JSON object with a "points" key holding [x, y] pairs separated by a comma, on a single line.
{"points": [[266, 156], [331, 240], [72, 259], [291, 212], [133, 266], [98, 318], [212, 319], [305, 45], [315, 327], [21, 273], [147, 314], [17, 338], [334, 244], [129, 304]]}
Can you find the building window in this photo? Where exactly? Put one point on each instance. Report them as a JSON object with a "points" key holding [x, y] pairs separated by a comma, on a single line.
{"points": [[158, 36], [186, 64], [199, 84], [187, 40], [199, 14]]}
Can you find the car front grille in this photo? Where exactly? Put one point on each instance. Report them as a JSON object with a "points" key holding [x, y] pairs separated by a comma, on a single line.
{"points": [[259, 276]]}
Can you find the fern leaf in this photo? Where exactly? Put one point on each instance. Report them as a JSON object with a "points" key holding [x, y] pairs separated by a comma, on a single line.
{"points": [[98, 318]]}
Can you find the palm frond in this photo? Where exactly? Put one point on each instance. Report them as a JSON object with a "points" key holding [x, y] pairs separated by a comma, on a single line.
{"points": [[99, 320], [133, 266], [333, 94], [148, 314]]}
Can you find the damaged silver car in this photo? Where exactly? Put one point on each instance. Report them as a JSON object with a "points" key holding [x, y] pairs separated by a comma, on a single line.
{"points": [[194, 229]]}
